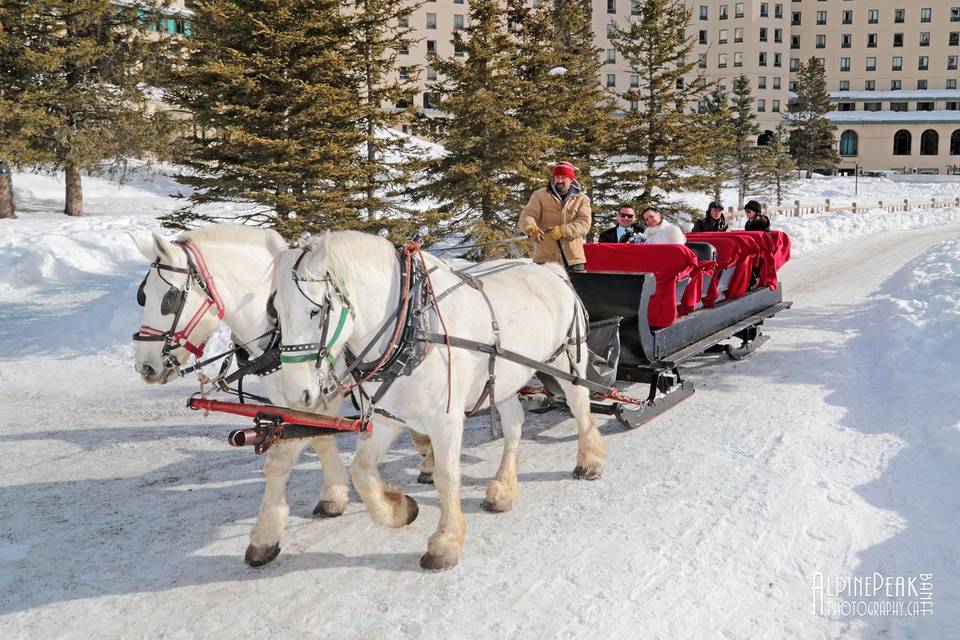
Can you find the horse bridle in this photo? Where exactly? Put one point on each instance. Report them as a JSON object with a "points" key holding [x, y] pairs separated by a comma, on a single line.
{"points": [[318, 352], [174, 301]]}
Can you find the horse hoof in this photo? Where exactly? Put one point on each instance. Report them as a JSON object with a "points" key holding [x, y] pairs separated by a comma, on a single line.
{"points": [[430, 562], [496, 506], [587, 473], [259, 556], [329, 509], [425, 477], [413, 509]]}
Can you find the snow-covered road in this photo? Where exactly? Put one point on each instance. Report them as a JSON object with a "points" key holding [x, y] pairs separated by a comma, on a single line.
{"points": [[123, 515]]}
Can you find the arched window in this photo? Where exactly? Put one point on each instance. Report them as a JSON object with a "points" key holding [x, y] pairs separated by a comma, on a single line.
{"points": [[848, 143], [955, 143], [902, 141], [929, 143], [764, 138]]}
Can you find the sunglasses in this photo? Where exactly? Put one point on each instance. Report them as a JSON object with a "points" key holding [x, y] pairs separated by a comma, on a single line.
{"points": [[626, 215]]}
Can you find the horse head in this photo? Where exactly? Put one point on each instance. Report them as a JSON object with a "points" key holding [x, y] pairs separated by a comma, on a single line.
{"points": [[180, 311], [316, 320]]}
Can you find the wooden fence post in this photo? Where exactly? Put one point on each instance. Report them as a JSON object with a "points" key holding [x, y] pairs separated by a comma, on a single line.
{"points": [[796, 203], [854, 207], [906, 204], [880, 204], [827, 209]]}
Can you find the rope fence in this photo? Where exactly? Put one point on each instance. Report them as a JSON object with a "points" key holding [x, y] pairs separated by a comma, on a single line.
{"points": [[798, 209]]}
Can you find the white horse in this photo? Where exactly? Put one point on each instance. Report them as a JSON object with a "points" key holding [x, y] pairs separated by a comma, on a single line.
{"points": [[229, 276], [345, 287]]}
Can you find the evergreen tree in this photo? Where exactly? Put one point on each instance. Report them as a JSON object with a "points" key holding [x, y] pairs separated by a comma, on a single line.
{"points": [[492, 152], [811, 133], [744, 131], [76, 73], [776, 166], [584, 123], [715, 109], [662, 137], [7, 206], [381, 30], [276, 82]]}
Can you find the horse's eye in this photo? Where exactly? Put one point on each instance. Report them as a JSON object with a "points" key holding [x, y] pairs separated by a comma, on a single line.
{"points": [[314, 313]]}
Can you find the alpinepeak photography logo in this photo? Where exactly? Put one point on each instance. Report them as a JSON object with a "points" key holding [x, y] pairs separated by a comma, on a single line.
{"points": [[873, 595]]}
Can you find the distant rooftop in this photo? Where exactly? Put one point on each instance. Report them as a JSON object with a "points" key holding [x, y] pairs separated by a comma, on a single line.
{"points": [[895, 96], [894, 117]]}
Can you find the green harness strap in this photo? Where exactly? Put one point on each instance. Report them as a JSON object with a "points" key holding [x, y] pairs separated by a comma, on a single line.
{"points": [[307, 357]]}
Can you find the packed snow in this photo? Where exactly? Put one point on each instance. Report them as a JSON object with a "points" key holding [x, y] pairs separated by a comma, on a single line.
{"points": [[830, 454]]}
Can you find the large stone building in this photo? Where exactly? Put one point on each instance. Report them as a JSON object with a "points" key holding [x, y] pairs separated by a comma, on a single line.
{"points": [[891, 66]]}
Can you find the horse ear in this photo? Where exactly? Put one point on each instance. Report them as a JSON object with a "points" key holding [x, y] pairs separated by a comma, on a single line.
{"points": [[163, 247], [144, 246], [317, 255]]}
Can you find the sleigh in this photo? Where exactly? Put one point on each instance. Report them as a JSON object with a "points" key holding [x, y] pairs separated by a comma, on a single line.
{"points": [[654, 307]]}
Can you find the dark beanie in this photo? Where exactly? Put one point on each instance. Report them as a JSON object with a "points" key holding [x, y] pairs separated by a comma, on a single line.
{"points": [[754, 206]]}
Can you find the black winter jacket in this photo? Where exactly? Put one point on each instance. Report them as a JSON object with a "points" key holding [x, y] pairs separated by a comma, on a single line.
{"points": [[707, 223], [610, 235]]}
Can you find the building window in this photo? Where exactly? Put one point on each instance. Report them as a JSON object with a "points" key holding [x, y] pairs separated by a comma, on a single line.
{"points": [[704, 12], [611, 80], [925, 15], [763, 34], [869, 85], [764, 9], [844, 64], [871, 40], [848, 143], [894, 85], [955, 143], [611, 6], [871, 64], [795, 18], [902, 141], [430, 101], [846, 41], [431, 21], [954, 38], [723, 37], [951, 63], [634, 81], [794, 64], [777, 60], [431, 73], [844, 85], [738, 34], [794, 42], [899, 106], [776, 106], [897, 63], [872, 106], [761, 82], [929, 143], [703, 36], [899, 15], [431, 46], [703, 61], [762, 60], [821, 41], [924, 106], [792, 86], [738, 59], [635, 8], [738, 10], [611, 56], [951, 83], [776, 82], [634, 105], [404, 73], [778, 11], [458, 22], [924, 63], [761, 105], [821, 17], [922, 84], [898, 39], [873, 16], [846, 106], [722, 61], [723, 12], [847, 17], [778, 35], [924, 38], [954, 14]]}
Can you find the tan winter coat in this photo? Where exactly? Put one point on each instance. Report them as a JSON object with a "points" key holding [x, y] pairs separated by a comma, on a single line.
{"points": [[544, 211]]}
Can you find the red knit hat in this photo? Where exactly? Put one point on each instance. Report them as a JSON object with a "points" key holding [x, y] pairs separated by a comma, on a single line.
{"points": [[565, 169]]}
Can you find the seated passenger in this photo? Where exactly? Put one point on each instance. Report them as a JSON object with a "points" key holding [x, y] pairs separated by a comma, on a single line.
{"points": [[659, 231], [712, 220], [626, 229], [756, 220]]}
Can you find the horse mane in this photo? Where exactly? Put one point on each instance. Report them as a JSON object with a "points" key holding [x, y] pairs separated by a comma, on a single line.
{"points": [[237, 234], [344, 247]]}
